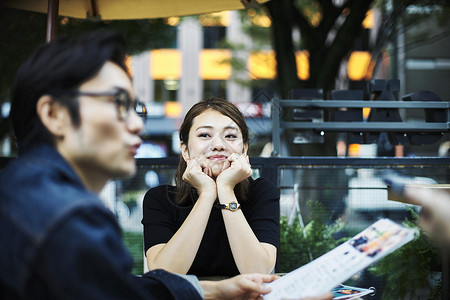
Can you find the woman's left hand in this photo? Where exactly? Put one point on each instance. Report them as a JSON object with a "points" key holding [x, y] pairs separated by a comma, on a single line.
{"points": [[236, 169]]}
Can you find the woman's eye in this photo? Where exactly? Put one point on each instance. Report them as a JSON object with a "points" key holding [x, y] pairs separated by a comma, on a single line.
{"points": [[203, 135], [231, 136]]}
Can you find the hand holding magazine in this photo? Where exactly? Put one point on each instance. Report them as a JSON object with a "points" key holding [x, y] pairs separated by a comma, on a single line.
{"points": [[338, 265]]}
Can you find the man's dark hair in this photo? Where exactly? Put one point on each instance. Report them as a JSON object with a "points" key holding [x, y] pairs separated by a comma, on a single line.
{"points": [[58, 69]]}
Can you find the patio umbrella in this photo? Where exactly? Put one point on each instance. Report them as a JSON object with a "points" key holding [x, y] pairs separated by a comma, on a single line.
{"points": [[123, 9]]}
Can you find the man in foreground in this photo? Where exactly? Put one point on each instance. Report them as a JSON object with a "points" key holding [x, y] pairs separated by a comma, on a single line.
{"points": [[75, 123]]}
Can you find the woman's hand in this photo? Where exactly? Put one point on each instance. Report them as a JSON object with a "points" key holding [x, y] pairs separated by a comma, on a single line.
{"points": [[198, 174], [236, 169]]}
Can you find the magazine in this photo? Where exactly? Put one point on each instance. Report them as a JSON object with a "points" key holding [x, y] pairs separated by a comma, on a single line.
{"points": [[331, 269], [345, 292]]}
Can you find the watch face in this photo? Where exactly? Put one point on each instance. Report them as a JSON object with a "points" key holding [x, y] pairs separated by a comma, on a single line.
{"points": [[233, 206]]}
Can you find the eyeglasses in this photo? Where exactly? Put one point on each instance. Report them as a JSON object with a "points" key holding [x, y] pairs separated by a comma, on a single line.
{"points": [[122, 100]]}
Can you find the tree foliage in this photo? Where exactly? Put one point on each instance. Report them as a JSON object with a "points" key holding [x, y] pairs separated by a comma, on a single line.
{"points": [[300, 245], [328, 31]]}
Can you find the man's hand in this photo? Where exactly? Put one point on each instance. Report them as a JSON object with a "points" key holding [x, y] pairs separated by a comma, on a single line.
{"points": [[434, 217], [326, 296], [246, 286]]}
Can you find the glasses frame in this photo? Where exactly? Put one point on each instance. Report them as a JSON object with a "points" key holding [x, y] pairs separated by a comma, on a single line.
{"points": [[122, 100]]}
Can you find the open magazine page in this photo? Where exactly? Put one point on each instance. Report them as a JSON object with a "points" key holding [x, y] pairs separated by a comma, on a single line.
{"points": [[345, 292], [338, 265]]}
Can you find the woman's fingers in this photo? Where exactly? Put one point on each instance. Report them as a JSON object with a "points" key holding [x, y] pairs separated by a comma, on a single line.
{"points": [[226, 165], [239, 159]]}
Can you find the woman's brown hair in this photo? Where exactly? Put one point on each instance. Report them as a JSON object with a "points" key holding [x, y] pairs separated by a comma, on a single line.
{"points": [[184, 190]]}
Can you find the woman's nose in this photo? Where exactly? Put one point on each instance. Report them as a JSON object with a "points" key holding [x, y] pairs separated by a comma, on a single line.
{"points": [[218, 144]]}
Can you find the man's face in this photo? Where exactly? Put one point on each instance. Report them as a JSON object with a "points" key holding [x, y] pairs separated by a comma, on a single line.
{"points": [[104, 146]]}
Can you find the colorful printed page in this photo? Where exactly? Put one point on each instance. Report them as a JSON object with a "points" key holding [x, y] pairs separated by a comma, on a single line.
{"points": [[345, 292], [338, 265]]}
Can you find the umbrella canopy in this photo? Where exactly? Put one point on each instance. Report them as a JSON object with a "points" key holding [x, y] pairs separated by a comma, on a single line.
{"points": [[130, 9], [123, 9]]}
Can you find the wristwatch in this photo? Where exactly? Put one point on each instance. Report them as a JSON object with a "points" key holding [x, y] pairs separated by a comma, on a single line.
{"points": [[233, 206]]}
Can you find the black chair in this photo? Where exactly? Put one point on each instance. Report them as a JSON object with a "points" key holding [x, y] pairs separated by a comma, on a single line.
{"points": [[385, 90], [302, 115], [348, 114], [431, 115]]}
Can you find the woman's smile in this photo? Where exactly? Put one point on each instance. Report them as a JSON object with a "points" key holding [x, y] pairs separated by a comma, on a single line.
{"points": [[217, 157]]}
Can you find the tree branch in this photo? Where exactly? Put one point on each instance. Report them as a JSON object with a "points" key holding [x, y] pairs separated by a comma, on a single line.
{"points": [[283, 45], [343, 41]]}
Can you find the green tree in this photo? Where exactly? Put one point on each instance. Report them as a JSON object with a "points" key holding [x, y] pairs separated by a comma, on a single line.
{"points": [[328, 32]]}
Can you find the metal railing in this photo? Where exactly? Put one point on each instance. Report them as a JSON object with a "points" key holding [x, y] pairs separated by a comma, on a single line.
{"points": [[320, 124]]}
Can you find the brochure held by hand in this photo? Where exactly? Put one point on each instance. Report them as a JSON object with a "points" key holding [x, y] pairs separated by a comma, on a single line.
{"points": [[328, 271]]}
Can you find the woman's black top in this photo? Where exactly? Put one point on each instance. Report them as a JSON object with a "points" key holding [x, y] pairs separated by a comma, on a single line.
{"points": [[162, 218]]}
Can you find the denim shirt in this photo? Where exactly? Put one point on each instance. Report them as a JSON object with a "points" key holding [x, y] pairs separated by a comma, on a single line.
{"points": [[58, 240]]}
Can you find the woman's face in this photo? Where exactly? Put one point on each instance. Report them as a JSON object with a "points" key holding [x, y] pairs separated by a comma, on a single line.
{"points": [[213, 136]]}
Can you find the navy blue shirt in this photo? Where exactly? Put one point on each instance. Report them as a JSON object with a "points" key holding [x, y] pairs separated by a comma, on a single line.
{"points": [[162, 218], [58, 240]]}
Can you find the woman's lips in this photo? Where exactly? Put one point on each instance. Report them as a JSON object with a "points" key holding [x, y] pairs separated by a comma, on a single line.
{"points": [[217, 157]]}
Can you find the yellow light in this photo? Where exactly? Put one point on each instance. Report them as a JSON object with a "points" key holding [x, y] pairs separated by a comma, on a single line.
{"points": [[315, 19], [215, 64], [173, 21], [215, 19], [366, 112], [370, 69], [353, 150], [165, 64], [302, 59], [358, 64], [128, 64], [251, 12], [369, 20], [64, 20], [261, 20], [172, 109], [262, 65]]}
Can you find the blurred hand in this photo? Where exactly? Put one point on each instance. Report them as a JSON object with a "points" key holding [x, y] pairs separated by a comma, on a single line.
{"points": [[246, 286], [434, 217]]}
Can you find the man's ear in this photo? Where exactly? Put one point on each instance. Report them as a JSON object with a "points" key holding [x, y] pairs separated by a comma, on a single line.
{"points": [[184, 151], [53, 115]]}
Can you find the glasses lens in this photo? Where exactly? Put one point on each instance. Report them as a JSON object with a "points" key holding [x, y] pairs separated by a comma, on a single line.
{"points": [[140, 109], [122, 100]]}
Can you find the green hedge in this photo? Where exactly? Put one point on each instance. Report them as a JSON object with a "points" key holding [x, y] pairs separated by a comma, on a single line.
{"points": [[135, 244]]}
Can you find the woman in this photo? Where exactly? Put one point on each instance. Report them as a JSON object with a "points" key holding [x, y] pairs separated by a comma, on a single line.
{"points": [[217, 221]]}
